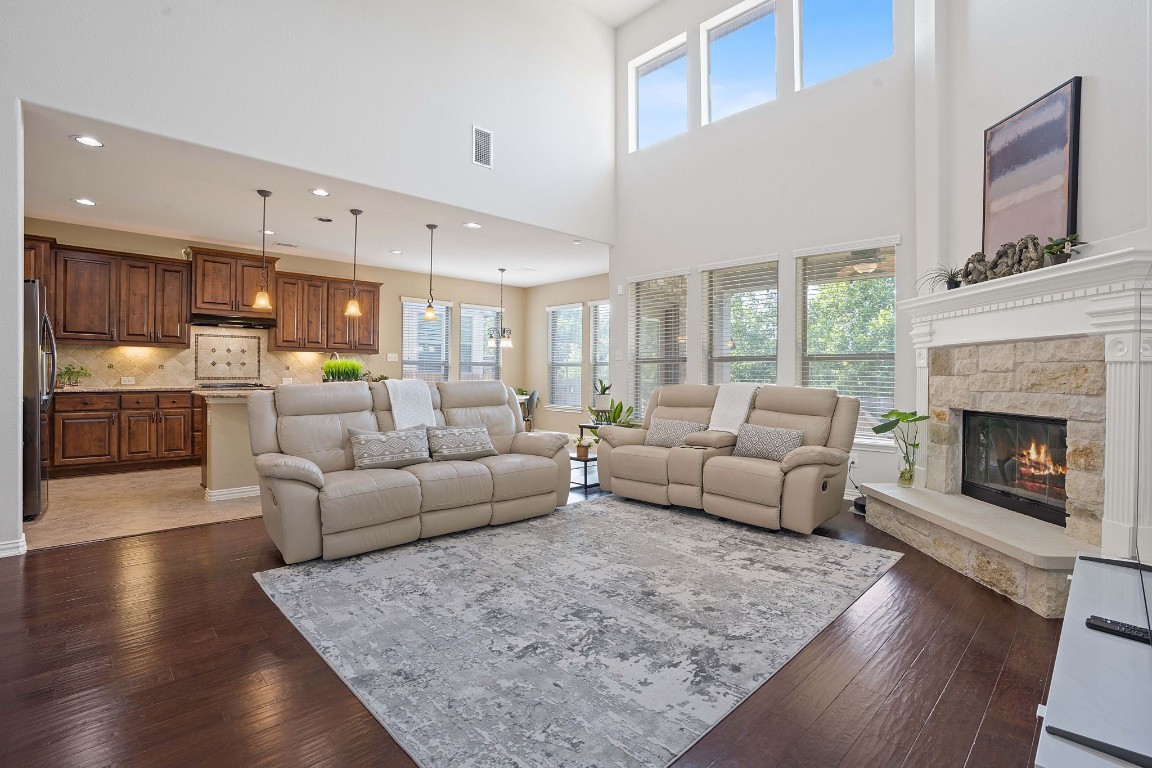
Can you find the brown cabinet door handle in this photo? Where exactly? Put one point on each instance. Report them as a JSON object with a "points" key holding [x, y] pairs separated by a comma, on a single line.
{"points": [[113, 418], [87, 402], [137, 402]]}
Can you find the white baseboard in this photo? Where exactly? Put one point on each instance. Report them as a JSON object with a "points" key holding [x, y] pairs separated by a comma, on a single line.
{"points": [[232, 493], [13, 548]]}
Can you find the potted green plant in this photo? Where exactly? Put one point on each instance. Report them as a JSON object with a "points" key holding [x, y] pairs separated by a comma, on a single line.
{"points": [[342, 370], [615, 414], [902, 425], [601, 400], [1061, 249], [70, 375], [942, 275], [583, 444]]}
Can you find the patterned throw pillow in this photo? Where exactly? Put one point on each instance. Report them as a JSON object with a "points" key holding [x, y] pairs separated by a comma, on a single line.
{"points": [[389, 450], [772, 443], [669, 433], [459, 443]]}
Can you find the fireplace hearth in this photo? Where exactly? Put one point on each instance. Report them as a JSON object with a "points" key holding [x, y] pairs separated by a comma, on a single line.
{"points": [[1019, 463]]}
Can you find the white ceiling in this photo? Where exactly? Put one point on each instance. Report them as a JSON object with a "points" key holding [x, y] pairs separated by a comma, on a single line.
{"points": [[157, 186], [615, 12]]}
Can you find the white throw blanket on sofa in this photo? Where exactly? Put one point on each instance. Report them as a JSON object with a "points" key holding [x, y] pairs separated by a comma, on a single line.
{"points": [[411, 402], [733, 402]]}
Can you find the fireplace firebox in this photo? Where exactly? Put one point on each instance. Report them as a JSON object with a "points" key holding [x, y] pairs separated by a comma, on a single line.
{"points": [[1017, 462]]}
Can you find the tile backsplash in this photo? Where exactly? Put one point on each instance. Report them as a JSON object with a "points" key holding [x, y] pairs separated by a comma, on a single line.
{"points": [[225, 354]]}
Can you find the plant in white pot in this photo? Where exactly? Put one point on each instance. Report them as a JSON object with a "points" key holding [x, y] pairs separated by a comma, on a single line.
{"points": [[601, 399]]}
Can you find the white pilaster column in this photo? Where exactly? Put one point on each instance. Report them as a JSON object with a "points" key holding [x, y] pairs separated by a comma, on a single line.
{"points": [[1128, 443], [921, 338]]}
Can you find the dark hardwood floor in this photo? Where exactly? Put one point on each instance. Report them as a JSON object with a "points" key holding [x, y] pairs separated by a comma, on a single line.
{"points": [[162, 650]]}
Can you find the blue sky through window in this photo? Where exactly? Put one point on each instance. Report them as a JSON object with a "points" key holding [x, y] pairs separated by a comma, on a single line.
{"points": [[662, 101], [742, 66], [840, 36]]}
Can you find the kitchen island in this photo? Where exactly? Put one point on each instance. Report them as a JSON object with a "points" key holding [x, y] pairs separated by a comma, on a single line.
{"points": [[228, 470]]}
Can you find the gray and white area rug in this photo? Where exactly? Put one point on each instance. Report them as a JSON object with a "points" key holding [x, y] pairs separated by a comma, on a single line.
{"points": [[611, 633]]}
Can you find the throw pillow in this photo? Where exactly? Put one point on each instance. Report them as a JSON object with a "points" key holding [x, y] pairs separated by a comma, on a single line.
{"points": [[389, 450], [772, 443], [459, 443], [669, 433]]}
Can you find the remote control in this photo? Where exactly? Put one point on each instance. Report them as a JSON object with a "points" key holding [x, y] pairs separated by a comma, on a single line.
{"points": [[1120, 629]]}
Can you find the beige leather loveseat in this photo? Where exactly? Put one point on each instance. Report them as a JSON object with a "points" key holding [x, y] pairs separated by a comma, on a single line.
{"points": [[316, 504], [798, 493]]}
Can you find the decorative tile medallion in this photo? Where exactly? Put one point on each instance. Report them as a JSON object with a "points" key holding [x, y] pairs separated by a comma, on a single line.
{"points": [[221, 357]]}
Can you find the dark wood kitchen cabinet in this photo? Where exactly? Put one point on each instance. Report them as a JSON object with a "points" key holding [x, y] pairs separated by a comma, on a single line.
{"points": [[154, 303], [353, 334], [87, 296], [123, 431], [225, 284]]}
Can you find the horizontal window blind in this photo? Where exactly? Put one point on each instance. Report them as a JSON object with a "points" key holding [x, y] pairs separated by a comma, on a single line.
{"points": [[600, 314], [751, 16], [478, 361], [426, 343], [740, 323], [662, 60], [847, 320], [657, 333], [565, 355]]}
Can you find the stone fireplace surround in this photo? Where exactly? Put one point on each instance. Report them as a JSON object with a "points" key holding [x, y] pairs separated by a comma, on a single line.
{"points": [[1073, 342]]}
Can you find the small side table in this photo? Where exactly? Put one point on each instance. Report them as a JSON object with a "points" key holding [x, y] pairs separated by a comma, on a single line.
{"points": [[590, 459], [589, 425]]}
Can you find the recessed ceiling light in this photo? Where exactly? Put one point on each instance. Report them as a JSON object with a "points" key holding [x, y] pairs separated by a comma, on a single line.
{"points": [[397, 252], [472, 225], [324, 219], [320, 192], [269, 232], [83, 201], [88, 141], [577, 242]]}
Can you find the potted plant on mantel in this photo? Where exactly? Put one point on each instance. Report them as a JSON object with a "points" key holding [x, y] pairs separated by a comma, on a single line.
{"points": [[1061, 249], [902, 425], [942, 275]]}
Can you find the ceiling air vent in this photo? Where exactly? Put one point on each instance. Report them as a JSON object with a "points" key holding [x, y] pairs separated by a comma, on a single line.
{"points": [[481, 147]]}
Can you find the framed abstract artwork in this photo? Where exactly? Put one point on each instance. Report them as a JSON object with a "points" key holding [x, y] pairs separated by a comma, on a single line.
{"points": [[1030, 160]]}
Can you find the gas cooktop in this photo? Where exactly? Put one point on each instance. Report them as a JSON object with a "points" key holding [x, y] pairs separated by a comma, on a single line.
{"points": [[232, 385]]}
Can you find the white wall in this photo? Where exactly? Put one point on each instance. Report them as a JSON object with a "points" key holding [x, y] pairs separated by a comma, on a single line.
{"points": [[987, 59], [829, 164], [380, 92]]}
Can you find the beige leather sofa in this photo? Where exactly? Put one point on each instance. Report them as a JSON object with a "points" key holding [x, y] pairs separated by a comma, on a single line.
{"points": [[798, 493], [316, 504]]}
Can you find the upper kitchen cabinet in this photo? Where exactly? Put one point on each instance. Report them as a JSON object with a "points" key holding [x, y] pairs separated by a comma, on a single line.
{"points": [[225, 284], [38, 258], [301, 306], [353, 334], [154, 298], [87, 296], [109, 298]]}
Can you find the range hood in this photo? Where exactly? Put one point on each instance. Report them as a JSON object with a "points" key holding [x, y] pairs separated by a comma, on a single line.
{"points": [[224, 321]]}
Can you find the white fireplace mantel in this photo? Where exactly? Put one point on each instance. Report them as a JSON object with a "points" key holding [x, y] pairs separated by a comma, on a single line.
{"points": [[1109, 295]]}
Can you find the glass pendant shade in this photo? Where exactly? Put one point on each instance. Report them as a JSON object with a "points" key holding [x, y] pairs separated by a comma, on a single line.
{"points": [[506, 343], [262, 301], [353, 308], [429, 312], [491, 341]]}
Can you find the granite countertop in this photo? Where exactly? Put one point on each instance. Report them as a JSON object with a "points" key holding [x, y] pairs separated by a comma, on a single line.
{"points": [[125, 388], [226, 394]]}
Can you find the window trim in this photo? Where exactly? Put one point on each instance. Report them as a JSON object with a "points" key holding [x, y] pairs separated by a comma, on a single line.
{"points": [[634, 81], [706, 55]]}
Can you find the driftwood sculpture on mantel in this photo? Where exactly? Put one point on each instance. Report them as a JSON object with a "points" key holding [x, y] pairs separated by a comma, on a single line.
{"points": [[1010, 259]]}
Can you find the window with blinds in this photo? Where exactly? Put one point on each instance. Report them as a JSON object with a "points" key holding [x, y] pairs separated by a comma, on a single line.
{"points": [[662, 96], [741, 60], [599, 315], [847, 322], [740, 323], [565, 356], [426, 343], [478, 361], [658, 335]]}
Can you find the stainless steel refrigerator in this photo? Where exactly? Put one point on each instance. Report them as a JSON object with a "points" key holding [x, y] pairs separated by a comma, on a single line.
{"points": [[39, 382]]}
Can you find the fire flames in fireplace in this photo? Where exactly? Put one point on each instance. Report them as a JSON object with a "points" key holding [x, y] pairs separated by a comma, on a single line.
{"points": [[1036, 469]]}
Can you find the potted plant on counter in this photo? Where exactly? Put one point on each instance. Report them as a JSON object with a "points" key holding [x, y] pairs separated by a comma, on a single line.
{"points": [[70, 375], [343, 370]]}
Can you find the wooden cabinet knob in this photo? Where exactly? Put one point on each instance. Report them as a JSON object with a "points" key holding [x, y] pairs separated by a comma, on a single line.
{"points": [[87, 402]]}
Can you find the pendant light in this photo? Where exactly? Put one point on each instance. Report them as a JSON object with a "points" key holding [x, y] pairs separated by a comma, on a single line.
{"points": [[501, 335], [353, 308], [430, 311], [263, 300]]}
